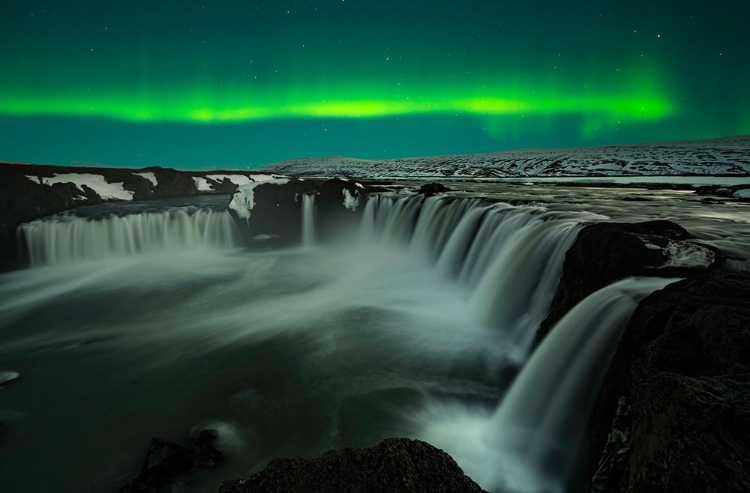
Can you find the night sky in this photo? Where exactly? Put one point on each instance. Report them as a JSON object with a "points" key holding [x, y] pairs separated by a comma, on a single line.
{"points": [[207, 84]]}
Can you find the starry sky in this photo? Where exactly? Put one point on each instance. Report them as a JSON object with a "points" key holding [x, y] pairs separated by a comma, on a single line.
{"points": [[240, 84]]}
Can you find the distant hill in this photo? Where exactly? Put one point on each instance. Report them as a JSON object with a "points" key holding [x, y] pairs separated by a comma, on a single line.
{"points": [[724, 156]]}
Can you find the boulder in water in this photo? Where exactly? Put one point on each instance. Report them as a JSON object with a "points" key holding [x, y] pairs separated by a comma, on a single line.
{"points": [[396, 465]]}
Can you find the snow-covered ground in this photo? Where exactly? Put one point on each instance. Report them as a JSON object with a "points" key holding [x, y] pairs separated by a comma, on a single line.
{"points": [[725, 156], [150, 177], [97, 183]]}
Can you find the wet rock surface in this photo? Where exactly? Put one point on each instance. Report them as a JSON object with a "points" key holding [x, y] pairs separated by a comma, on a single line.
{"points": [[167, 462], [396, 465], [673, 414], [607, 252]]}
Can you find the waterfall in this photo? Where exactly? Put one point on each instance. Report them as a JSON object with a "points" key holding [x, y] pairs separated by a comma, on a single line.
{"points": [[542, 418], [736, 264], [308, 219], [63, 239], [509, 258]]}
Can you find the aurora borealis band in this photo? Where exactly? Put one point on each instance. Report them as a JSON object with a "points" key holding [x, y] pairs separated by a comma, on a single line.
{"points": [[240, 84]]}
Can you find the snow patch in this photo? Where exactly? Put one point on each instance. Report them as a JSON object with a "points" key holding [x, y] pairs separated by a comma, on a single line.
{"points": [[351, 202], [35, 179], [261, 178], [243, 199], [651, 246], [742, 194], [686, 254], [114, 191], [238, 180], [202, 184], [149, 176]]}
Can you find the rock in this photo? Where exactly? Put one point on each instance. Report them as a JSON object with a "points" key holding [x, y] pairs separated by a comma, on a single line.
{"points": [[607, 252], [277, 209], [429, 189], [396, 465], [682, 369], [340, 204], [166, 462]]}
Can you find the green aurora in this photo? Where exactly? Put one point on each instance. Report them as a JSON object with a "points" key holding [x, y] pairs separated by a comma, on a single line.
{"points": [[417, 79]]}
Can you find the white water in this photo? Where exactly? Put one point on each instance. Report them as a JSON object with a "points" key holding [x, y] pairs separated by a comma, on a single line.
{"points": [[308, 219], [66, 239], [530, 442], [437, 298], [508, 258]]}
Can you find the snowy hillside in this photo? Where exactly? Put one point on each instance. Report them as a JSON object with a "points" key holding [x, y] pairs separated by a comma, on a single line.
{"points": [[725, 156]]}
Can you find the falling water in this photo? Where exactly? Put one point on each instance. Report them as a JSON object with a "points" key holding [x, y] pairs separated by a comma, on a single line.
{"points": [[510, 258], [531, 441], [64, 239], [735, 264], [503, 264], [308, 219]]}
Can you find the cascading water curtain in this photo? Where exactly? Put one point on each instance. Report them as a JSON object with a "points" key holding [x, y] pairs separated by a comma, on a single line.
{"points": [[509, 258], [63, 239]]}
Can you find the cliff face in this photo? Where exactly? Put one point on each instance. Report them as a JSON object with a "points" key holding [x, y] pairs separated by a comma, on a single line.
{"points": [[674, 412], [28, 192], [607, 252], [270, 214]]}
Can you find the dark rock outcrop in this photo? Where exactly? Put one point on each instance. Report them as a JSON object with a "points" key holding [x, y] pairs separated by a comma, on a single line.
{"points": [[673, 414], [277, 210], [430, 189], [167, 462], [607, 252], [340, 204], [276, 213], [396, 465]]}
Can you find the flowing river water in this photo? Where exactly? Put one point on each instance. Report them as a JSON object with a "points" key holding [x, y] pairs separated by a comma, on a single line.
{"points": [[151, 319]]}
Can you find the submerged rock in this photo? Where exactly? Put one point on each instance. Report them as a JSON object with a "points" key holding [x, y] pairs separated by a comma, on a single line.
{"points": [[607, 252], [396, 465], [681, 381], [167, 462]]}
